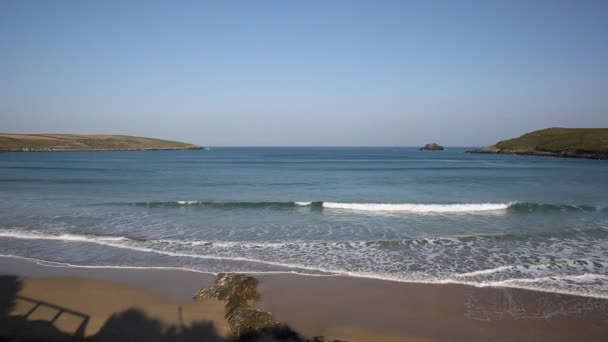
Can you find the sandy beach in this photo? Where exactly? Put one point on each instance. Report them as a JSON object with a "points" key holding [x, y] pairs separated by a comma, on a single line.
{"points": [[157, 302]]}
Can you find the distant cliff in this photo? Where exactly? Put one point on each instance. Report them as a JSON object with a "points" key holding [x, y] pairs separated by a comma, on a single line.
{"points": [[78, 142], [590, 143]]}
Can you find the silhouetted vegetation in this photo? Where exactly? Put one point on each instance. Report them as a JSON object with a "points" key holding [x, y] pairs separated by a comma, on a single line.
{"points": [[9, 287], [281, 333], [133, 325]]}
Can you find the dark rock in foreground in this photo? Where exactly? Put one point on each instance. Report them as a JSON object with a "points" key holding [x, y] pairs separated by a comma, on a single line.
{"points": [[236, 289], [248, 323], [239, 292], [243, 320], [431, 147]]}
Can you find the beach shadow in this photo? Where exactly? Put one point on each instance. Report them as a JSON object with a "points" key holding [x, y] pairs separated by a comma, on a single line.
{"points": [[282, 333], [134, 325], [128, 326], [9, 287], [18, 327], [59, 311]]}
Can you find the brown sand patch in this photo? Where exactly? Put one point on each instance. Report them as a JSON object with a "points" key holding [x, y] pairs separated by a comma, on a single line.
{"points": [[97, 300]]}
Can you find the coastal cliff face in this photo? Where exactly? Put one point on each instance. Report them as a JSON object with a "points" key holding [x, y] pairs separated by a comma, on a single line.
{"points": [[588, 143], [79, 142]]}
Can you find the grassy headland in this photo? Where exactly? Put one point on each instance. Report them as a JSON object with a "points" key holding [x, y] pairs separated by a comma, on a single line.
{"points": [[591, 143], [79, 142]]}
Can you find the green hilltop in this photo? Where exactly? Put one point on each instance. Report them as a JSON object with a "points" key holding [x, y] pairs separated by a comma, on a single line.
{"points": [[556, 142], [560, 139], [80, 142]]}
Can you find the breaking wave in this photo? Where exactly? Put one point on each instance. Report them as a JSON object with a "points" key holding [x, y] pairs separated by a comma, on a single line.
{"points": [[514, 206], [417, 208], [530, 263]]}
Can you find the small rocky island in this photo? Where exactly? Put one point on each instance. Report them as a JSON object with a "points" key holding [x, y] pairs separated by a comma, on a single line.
{"points": [[589, 143], [431, 147], [80, 142]]}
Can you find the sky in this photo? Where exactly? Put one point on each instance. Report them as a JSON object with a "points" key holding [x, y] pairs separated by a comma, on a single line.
{"points": [[304, 73]]}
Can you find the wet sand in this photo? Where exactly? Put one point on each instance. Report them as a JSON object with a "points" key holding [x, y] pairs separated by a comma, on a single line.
{"points": [[346, 308], [433, 311]]}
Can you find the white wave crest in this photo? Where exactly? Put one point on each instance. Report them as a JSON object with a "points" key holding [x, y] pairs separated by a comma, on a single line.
{"points": [[484, 272], [418, 208], [63, 237], [556, 279], [303, 204], [187, 202]]}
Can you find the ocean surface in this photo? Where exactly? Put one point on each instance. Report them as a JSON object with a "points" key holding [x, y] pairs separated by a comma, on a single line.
{"points": [[390, 213]]}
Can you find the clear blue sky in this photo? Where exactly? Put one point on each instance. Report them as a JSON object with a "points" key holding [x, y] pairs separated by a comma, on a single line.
{"points": [[220, 73]]}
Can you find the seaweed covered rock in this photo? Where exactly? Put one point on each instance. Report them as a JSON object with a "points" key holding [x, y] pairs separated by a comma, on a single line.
{"points": [[244, 320], [236, 289], [239, 292]]}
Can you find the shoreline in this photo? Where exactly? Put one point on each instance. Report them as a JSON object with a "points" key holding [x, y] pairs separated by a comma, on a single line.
{"points": [[342, 306], [326, 273]]}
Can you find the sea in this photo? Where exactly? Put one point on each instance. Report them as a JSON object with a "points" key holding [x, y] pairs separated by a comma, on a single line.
{"points": [[391, 213]]}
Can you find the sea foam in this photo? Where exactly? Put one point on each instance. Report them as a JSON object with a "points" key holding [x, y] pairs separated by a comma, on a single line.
{"points": [[461, 260], [418, 208]]}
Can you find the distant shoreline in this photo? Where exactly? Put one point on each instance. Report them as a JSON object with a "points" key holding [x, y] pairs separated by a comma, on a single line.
{"points": [[110, 150], [563, 154]]}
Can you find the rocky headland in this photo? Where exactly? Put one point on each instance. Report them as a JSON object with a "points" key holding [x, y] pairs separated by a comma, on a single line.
{"points": [[79, 142], [588, 143]]}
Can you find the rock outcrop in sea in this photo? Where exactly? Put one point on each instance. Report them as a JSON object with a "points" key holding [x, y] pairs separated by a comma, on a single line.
{"points": [[432, 147]]}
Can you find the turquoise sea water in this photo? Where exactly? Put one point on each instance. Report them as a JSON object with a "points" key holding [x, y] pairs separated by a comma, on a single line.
{"points": [[393, 213]]}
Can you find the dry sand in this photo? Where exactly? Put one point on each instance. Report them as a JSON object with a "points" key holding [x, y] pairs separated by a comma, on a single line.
{"points": [[100, 299], [345, 308]]}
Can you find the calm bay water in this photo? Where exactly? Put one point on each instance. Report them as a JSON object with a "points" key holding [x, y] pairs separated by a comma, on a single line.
{"points": [[393, 213]]}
